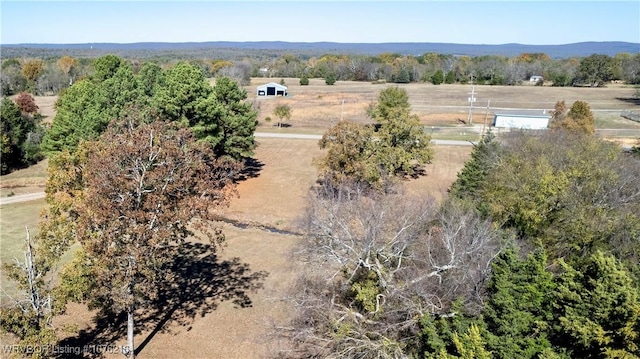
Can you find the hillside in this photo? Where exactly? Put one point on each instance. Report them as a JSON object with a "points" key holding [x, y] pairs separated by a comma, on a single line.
{"points": [[233, 50]]}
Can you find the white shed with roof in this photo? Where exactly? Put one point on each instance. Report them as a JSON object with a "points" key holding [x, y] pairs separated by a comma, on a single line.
{"points": [[271, 89], [523, 119]]}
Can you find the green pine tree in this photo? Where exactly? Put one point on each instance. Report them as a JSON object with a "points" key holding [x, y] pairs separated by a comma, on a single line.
{"points": [[236, 120], [597, 309], [437, 78], [518, 309], [473, 176]]}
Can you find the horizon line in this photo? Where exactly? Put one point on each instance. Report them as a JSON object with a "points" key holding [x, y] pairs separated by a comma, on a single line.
{"points": [[309, 42]]}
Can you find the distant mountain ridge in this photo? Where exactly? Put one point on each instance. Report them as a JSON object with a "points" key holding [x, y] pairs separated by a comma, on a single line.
{"points": [[405, 48]]}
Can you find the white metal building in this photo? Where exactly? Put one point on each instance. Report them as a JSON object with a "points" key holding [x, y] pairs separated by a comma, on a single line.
{"points": [[271, 89], [522, 119]]}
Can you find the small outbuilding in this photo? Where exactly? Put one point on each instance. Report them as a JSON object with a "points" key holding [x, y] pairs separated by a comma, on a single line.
{"points": [[536, 78], [272, 89], [522, 119]]}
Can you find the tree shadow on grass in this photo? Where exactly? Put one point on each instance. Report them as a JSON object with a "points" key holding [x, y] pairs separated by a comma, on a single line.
{"points": [[251, 169], [417, 173], [631, 100], [195, 284]]}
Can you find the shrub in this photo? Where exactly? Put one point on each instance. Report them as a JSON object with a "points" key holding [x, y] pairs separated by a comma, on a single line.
{"points": [[437, 78], [26, 103], [330, 79], [450, 78]]}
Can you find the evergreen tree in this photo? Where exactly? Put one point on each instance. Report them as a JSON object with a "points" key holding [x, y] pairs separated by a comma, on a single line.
{"points": [[13, 132], [79, 115], [437, 333], [473, 176], [150, 79], [437, 78], [401, 76], [330, 78], [118, 94], [236, 120], [450, 78], [182, 96], [518, 308], [597, 310], [304, 80], [85, 109], [105, 67]]}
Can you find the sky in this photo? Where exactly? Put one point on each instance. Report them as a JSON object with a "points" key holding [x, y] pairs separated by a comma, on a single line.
{"points": [[462, 22]]}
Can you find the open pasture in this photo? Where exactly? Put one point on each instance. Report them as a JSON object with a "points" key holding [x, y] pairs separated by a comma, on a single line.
{"points": [[318, 106]]}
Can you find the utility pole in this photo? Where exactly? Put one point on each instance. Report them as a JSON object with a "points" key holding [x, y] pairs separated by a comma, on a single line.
{"points": [[486, 115], [472, 99]]}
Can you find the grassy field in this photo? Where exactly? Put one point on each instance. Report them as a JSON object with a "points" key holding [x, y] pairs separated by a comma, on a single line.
{"points": [[28, 180], [14, 219], [319, 105]]}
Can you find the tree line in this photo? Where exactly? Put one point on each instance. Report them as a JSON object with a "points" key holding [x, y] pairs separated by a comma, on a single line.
{"points": [[51, 75], [532, 254]]}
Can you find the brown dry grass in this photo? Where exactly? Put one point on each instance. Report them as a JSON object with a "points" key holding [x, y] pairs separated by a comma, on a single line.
{"points": [[29, 180], [46, 106], [277, 195], [14, 218], [442, 172], [319, 105]]}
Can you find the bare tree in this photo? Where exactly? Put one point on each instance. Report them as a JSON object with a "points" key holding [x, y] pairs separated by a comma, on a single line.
{"points": [[240, 72], [51, 81], [376, 264], [30, 316]]}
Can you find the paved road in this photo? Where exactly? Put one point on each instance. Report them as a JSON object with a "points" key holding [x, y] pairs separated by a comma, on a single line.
{"points": [[39, 195], [22, 198], [317, 137], [288, 135]]}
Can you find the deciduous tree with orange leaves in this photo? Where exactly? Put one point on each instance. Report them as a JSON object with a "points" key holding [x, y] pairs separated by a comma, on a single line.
{"points": [[148, 187]]}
